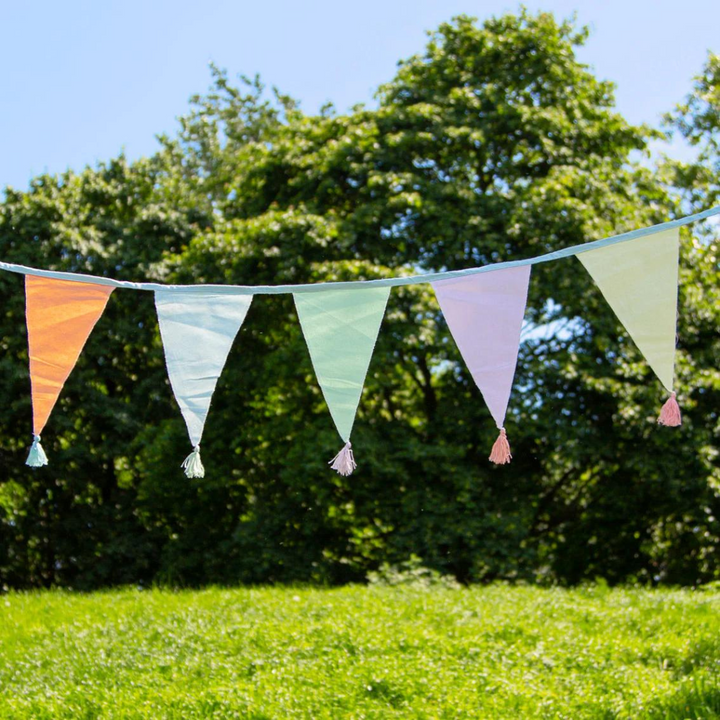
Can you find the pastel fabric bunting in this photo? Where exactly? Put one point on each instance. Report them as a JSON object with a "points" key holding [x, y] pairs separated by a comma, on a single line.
{"points": [[485, 315], [60, 316], [197, 330], [341, 329], [639, 280]]}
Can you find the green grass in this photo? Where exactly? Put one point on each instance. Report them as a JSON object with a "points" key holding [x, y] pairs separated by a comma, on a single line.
{"points": [[376, 652]]}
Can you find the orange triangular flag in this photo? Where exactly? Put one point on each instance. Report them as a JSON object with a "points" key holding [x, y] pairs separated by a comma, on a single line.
{"points": [[60, 317]]}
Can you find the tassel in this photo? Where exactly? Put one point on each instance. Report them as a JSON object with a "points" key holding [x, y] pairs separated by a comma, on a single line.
{"points": [[344, 461], [193, 464], [36, 456], [670, 413], [500, 453]]}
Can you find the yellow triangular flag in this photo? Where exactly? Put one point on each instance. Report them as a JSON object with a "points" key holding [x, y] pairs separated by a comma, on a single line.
{"points": [[639, 279]]}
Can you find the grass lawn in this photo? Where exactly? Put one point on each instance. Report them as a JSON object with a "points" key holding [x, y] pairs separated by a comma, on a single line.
{"points": [[361, 652]]}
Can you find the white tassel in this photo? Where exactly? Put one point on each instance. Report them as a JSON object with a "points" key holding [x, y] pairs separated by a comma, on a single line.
{"points": [[344, 462], [193, 464], [36, 456]]}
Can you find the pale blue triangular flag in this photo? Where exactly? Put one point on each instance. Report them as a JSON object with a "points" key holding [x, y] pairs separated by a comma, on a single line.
{"points": [[197, 331]]}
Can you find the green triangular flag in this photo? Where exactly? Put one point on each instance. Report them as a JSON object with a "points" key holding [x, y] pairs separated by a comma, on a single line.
{"points": [[639, 279], [340, 328]]}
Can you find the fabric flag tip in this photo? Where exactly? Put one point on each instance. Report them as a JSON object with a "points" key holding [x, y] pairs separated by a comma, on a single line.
{"points": [[197, 333], [485, 315], [344, 461], [36, 456], [340, 328], [670, 414], [500, 454], [192, 465], [60, 316], [639, 280]]}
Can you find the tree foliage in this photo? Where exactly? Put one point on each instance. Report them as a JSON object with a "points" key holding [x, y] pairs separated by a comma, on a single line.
{"points": [[697, 120], [494, 144]]}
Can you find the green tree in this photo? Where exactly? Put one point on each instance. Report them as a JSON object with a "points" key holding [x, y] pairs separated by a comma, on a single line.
{"points": [[691, 534], [697, 120], [77, 522], [494, 144]]}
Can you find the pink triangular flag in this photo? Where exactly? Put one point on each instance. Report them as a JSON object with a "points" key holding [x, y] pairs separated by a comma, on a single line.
{"points": [[485, 314]]}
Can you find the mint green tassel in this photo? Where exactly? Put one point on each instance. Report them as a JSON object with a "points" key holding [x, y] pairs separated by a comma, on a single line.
{"points": [[36, 456]]}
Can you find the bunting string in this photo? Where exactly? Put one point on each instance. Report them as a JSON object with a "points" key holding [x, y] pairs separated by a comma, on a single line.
{"points": [[484, 307], [358, 284]]}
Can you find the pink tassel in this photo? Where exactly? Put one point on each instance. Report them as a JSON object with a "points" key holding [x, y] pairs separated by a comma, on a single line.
{"points": [[344, 461], [670, 413], [500, 454]]}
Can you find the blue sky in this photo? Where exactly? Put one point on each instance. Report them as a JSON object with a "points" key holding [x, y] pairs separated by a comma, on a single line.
{"points": [[84, 80]]}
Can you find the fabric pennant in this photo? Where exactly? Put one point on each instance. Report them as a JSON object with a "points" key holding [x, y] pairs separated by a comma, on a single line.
{"points": [[340, 329], [60, 316], [197, 330], [639, 280], [485, 314]]}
